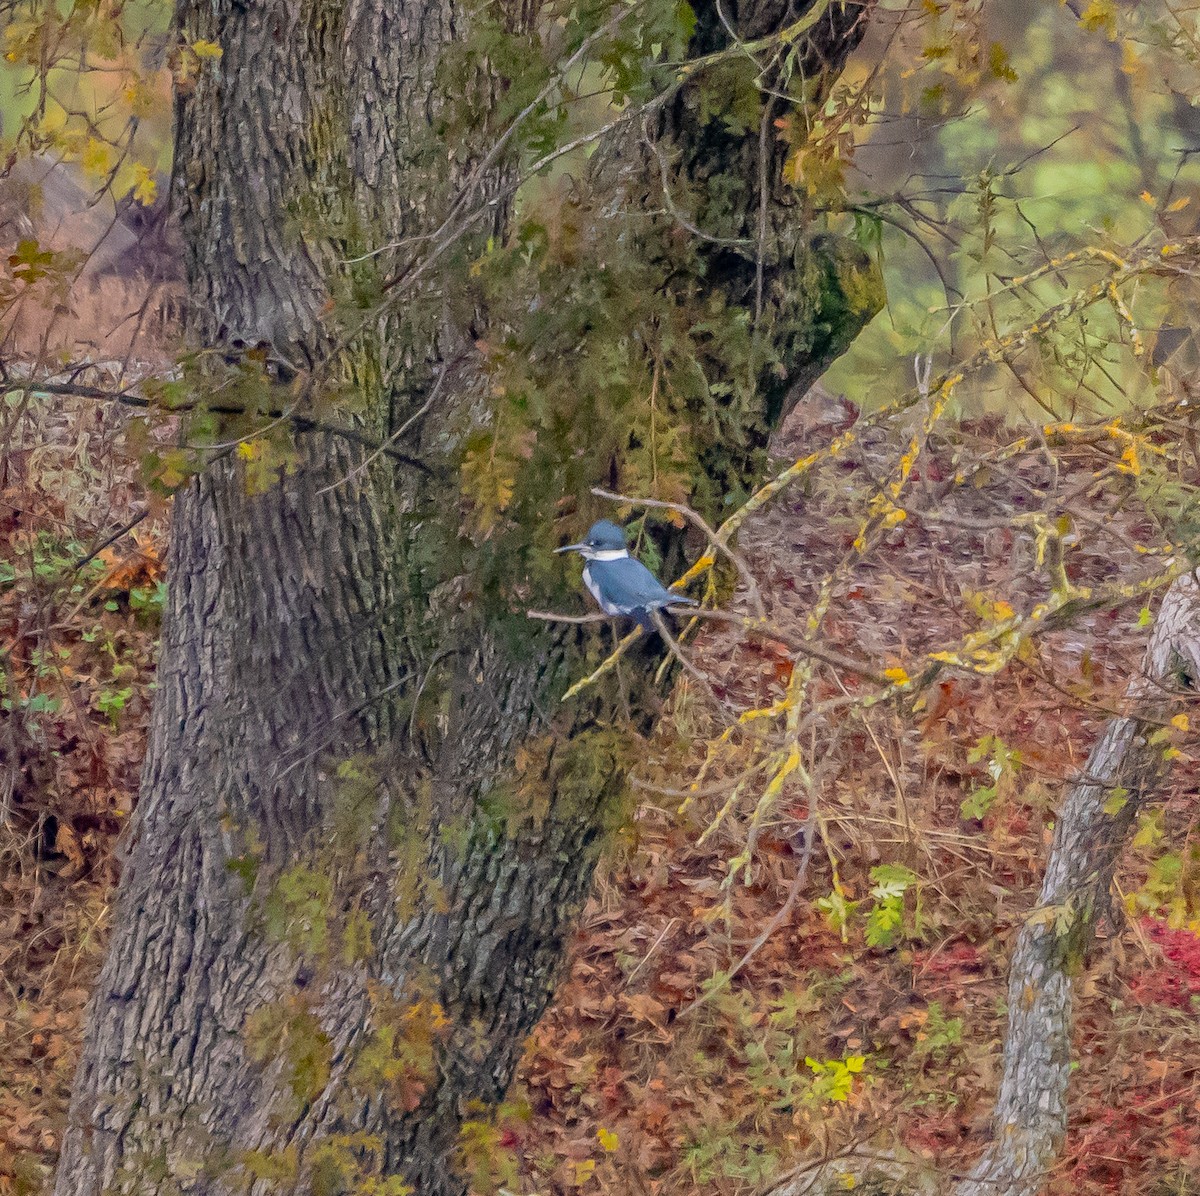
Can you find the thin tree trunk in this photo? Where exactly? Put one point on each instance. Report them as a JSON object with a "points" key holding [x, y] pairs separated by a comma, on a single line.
{"points": [[1121, 774], [366, 824]]}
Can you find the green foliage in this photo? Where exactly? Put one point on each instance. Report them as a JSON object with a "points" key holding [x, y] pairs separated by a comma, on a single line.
{"points": [[357, 946], [352, 1164], [939, 1038], [273, 1166], [289, 1032], [1116, 801], [483, 1156], [355, 804], [51, 55], [778, 1061], [538, 104], [838, 909], [297, 909], [833, 1079], [398, 1059], [1170, 887], [30, 263], [1003, 764], [885, 921], [713, 1155], [149, 600], [607, 360], [110, 702], [616, 349]]}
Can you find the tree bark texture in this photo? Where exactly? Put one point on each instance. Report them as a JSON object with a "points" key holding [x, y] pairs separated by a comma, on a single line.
{"points": [[1121, 774], [366, 824]]}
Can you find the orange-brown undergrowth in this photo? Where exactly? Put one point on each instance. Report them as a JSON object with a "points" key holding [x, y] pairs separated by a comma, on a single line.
{"points": [[633, 1082]]}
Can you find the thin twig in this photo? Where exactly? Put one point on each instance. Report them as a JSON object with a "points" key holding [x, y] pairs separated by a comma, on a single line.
{"points": [[124, 530], [802, 647], [302, 423], [688, 667], [761, 628], [773, 925], [549, 616]]}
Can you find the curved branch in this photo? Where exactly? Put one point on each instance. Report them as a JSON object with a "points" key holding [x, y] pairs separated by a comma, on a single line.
{"points": [[302, 423]]}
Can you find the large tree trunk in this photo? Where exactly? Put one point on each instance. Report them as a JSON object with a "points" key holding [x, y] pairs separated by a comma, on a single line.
{"points": [[1121, 774], [366, 823]]}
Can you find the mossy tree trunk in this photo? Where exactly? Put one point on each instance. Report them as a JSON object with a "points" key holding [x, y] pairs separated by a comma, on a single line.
{"points": [[367, 824]]}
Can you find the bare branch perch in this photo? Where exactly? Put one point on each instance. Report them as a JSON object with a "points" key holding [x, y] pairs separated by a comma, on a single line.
{"points": [[715, 538]]}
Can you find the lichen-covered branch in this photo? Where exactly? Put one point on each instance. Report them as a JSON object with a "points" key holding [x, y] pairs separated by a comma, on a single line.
{"points": [[1120, 775]]}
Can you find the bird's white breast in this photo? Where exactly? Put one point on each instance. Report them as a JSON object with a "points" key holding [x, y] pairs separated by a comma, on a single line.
{"points": [[607, 607]]}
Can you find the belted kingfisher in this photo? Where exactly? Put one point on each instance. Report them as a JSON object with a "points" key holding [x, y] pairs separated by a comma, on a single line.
{"points": [[621, 584]]}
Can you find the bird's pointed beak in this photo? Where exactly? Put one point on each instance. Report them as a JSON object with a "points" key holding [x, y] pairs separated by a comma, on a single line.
{"points": [[570, 548]]}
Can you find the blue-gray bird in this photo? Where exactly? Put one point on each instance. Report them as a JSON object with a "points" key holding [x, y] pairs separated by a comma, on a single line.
{"points": [[621, 584]]}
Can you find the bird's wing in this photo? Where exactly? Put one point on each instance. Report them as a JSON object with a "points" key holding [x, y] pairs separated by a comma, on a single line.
{"points": [[630, 584]]}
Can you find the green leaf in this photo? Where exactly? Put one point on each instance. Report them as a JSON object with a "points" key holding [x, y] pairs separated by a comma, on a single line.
{"points": [[1117, 801], [978, 803]]}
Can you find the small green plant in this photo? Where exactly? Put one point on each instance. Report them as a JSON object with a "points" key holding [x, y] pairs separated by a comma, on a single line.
{"points": [[833, 1079], [34, 704], [149, 600], [110, 702], [886, 919], [297, 909], [839, 910], [939, 1038], [1003, 765]]}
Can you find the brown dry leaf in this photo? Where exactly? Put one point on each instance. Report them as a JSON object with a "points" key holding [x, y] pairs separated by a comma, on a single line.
{"points": [[67, 842], [644, 1008]]}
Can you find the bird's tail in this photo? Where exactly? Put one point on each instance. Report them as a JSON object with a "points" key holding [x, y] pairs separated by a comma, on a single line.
{"points": [[645, 620]]}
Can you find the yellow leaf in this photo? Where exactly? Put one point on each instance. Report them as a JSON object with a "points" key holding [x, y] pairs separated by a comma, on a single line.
{"points": [[203, 49], [145, 188], [1100, 16], [97, 157], [607, 1138]]}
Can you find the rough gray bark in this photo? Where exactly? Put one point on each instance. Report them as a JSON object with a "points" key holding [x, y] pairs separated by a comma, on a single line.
{"points": [[363, 809], [1030, 1119]]}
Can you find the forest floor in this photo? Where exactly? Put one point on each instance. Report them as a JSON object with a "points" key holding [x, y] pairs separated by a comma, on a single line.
{"points": [[844, 1036]]}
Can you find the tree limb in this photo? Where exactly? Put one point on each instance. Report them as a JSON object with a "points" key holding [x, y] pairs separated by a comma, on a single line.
{"points": [[302, 423], [1122, 772]]}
